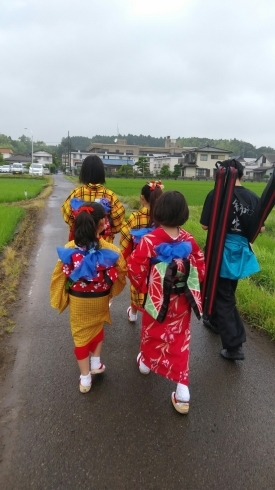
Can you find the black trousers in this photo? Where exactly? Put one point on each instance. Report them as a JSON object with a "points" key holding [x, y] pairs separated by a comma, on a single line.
{"points": [[225, 315]]}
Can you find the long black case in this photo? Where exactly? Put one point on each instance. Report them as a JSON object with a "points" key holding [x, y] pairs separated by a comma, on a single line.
{"points": [[222, 198]]}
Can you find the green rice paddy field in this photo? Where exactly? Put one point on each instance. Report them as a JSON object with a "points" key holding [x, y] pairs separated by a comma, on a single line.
{"points": [[194, 191], [13, 190]]}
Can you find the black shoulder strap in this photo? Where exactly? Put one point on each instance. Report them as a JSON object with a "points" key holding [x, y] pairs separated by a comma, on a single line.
{"points": [[168, 283], [240, 198]]}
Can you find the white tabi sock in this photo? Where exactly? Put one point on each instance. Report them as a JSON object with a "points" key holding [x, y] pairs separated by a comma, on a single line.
{"points": [[95, 362], [86, 380], [182, 393]]}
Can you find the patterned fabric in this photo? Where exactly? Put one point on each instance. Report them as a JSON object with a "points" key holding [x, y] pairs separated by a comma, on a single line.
{"points": [[165, 346], [89, 271], [89, 193], [137, 220], [87, 315], [172, 275]]}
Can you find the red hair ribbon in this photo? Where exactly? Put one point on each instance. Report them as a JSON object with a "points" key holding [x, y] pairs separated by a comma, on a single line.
{"points": [[155, 183], [88, 209]]}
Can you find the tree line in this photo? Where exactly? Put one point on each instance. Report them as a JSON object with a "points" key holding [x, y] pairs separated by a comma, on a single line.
{"points": [[74, 143]]}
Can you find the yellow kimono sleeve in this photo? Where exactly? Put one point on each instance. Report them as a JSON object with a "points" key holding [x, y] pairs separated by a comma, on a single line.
{"points": [[120, 282], [59, 297], [121, 266]]}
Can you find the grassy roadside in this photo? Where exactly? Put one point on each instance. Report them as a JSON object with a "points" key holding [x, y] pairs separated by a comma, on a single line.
{"points": [[14, 257]]}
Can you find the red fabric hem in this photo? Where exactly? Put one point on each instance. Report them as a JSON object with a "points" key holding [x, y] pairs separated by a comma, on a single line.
{"points": [[84, 351]]}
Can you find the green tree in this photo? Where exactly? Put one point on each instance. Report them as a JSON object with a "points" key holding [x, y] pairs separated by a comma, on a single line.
{"points": [[165, 172], [126, 170], [143, 166], [176, 171]]}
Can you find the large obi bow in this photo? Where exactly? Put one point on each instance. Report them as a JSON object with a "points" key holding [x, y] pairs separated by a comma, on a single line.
{"points": [[87, 268], [166, 252], [76, 203]]}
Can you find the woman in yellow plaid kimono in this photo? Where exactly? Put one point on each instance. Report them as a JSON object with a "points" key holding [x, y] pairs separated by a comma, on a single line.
{"points": [[139, 220], [92, 176], [88, 274]]}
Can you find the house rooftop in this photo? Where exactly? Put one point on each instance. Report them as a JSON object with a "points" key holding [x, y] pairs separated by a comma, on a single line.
{"points": [[212, 149]]}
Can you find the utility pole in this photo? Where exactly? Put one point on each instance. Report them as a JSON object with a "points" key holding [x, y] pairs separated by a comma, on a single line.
{"points": [[69, 154], [32, 142]]}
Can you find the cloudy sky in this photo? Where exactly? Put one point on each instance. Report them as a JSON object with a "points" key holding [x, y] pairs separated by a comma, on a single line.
{"points": [[180, 68]]}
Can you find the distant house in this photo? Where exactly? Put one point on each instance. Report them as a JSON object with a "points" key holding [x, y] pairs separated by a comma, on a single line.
{"points": [[18, 157], [111, 163], [266, 160], [261, 168], [6, 152], [193, 162], [42, 156], [206, 159], [118, 153]]}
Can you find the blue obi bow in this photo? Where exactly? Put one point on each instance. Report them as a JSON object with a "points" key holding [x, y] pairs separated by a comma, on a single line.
{"points": [[166, 252], [88, 266], [138, 234], [76, 203]]}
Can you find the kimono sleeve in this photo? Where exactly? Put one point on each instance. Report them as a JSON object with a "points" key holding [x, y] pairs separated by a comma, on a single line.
{"points": [[120, 282], [117, 214], [66, 210], [139, 264], [59, 297], [121, 266], [126, 239]]}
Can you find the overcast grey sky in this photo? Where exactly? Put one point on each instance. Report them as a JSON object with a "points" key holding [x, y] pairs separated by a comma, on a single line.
{"points": [[180, 68]]}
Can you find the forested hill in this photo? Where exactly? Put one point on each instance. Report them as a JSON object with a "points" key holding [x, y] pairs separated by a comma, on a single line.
{"points": [[238, 147]]}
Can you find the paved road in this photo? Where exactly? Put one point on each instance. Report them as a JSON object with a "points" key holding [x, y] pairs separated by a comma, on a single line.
{"points": [[125, 433]]}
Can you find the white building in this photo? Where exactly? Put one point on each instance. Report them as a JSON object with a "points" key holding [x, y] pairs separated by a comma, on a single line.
{"points": [[43, 157], [193, 162]]}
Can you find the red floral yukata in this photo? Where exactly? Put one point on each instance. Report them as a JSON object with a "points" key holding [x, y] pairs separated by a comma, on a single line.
{"points": [[165, 346]]}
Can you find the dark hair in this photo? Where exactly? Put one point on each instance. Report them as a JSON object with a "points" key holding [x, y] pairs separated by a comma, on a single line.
{"points": [[151, 196], [86, 223], [232, 163], [92, 171], [171, 209]]}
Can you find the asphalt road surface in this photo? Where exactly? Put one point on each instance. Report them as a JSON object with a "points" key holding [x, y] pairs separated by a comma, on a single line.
{"points": [[125, 433]]}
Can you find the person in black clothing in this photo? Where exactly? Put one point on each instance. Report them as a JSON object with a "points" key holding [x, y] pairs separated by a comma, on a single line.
{"points": [[238, 261]]}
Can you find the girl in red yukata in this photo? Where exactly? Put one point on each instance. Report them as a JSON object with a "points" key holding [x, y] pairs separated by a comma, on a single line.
{"points": [[165, 338]]}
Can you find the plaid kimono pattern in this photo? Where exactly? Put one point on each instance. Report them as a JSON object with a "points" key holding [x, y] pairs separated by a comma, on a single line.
{"points": [[137, 220], [87, 315], [89, 193]]}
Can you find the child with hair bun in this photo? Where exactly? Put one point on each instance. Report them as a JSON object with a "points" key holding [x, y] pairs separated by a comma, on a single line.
{"points": [[139, 223], [88, 274]]}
